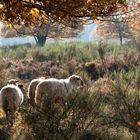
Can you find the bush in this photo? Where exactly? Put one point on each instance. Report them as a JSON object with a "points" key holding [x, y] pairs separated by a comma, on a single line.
{"points": [[124, 102], [39, 56], [65, 119]]}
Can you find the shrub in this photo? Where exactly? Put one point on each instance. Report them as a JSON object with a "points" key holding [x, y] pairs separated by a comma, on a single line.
{"points": [[39, 56], [65, 119], [124, 102]]}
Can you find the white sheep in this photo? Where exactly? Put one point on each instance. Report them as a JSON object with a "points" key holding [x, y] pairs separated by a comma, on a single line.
{"points": [[57, 87], [11, 98], [31, 90]]}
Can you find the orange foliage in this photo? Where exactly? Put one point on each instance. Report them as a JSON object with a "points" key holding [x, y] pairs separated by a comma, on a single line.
{"points": [[138, 123], [27, 11]]}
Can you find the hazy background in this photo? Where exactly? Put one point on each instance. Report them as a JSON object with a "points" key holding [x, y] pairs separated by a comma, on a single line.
{"points": [[88, 34]]}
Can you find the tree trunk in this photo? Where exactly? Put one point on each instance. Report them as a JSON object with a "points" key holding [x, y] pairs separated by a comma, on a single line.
{"points": [[42, 34], [120, 36], [40, 40], [119, 29]]}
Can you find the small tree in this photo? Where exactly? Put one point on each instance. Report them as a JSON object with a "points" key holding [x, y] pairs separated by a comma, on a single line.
{"points": [[42, 30], [124, 24]]}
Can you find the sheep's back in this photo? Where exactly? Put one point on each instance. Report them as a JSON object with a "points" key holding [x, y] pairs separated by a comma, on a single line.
{"points": [[52, 87], [12, 94], [32, 88], [49, 88]]}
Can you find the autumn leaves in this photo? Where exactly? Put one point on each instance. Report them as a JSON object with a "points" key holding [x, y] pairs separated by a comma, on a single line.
{"points": [[27, 11]]}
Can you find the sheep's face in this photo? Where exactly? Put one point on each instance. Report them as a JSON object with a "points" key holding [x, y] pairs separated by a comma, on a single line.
{"points": [[76, 80]]}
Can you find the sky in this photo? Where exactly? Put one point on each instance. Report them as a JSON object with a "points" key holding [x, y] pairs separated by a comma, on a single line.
{"points": [[86, 34]]}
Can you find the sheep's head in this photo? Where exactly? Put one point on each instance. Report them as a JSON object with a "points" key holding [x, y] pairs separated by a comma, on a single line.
{"points": [[13, 81], [76, 80], [42, 77]]}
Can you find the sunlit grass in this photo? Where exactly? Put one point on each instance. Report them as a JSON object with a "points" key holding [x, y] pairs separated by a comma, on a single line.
{"points": [[63, 51]]}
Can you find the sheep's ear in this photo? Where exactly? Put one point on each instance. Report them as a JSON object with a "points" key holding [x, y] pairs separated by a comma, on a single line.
{"points": [[20, 86], [77, 78], [81, 81]]}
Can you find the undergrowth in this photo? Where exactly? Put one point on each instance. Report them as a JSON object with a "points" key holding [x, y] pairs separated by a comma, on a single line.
{"points": [[108, 108]]}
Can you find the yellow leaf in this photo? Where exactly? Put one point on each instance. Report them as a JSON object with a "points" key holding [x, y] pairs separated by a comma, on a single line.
{"points": [[34, 11], [1, 6], [89, 1], [138, 123], [9, 25]]}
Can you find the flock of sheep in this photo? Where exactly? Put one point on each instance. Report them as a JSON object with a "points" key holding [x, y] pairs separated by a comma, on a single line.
{"points": [[11, 95]]}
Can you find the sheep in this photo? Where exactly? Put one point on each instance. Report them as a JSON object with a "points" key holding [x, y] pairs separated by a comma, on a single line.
{"points": [[31, 90], [11, 98], [57, 88]]}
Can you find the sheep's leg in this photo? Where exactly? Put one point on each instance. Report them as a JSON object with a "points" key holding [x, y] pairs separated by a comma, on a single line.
{"points": [[12, 119], [7, 117], [30, 108], [30, 105]]}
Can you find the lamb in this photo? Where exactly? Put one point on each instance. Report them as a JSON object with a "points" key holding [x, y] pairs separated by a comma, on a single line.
{"points": [[31, 90], [11, 98], [57, 87]]}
